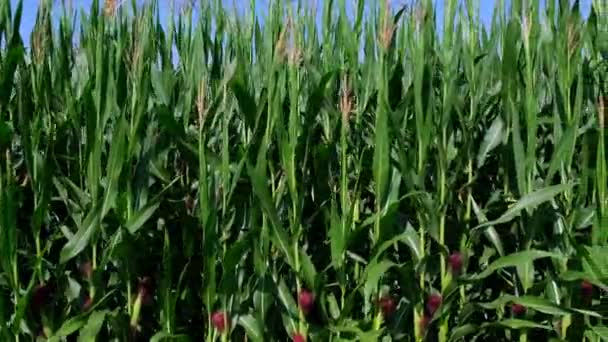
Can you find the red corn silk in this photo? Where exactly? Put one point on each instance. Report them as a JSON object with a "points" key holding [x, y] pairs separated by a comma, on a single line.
{"points": [[41, 296], [86, 269], [306, 301], [145, 290], [433, 303], [518, 309], [87, 302], [586, 289], [299, 338], [455, 261], [387, 305], [219, 320], [425, 320]]}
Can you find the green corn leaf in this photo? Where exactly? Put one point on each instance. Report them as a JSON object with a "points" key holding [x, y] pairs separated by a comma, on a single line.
{"points": [[252, 328], [381, 166], [539, 304], [337, 239], [595, 262], [409, 237], [573, 275], [490, 232], [281, 238], [373, 273], [69, 327], [363, 336], [115, 164], [308, 271], [284, 295], [412, 240], [80, 240], [601, 332], [513, 260], [525, 272], [14, 57], [517, 324], [528, 201], [22, 305], [163, 336], [491, 140], [246, 102], [6, 135], [94, 324], [332, 303], [518, 151], [460, 332], [161, 82], [563, 152], [142, 216]]}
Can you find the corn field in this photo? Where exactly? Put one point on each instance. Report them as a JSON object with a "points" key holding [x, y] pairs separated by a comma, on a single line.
{"points": [[364, 176]]}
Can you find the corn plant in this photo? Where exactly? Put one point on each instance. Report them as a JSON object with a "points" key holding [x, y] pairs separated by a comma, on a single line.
{"points": [[336, 171]]}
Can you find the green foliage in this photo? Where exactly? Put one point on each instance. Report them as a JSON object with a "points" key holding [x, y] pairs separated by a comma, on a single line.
{"points": [[154, 177]]}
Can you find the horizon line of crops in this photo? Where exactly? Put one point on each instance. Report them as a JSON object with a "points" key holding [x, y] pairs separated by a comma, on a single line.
{"points": [[366, 179]]}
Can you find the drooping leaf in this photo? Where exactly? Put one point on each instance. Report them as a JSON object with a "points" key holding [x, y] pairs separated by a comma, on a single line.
{"points": [[260, 188], [337, 238], [493, 137], [94, 324], [80, 240], [517, 324], [288, 302], [601, 332], [373, 273], [252, 328], [595, 262], [563, 152], [460, 332], [513, 260], [163, 336], [70, 326], [528, 201], [490, 232], [142, 216]]}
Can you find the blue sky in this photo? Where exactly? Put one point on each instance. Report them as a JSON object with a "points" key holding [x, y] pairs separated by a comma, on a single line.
{"points": [[30, 8]]}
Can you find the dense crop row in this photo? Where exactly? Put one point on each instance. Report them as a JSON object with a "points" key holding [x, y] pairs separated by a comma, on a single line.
{"points": [[369, 178]]}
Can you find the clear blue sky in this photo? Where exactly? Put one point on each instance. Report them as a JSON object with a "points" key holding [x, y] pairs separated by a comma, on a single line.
{"points": [[30, 8]]}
